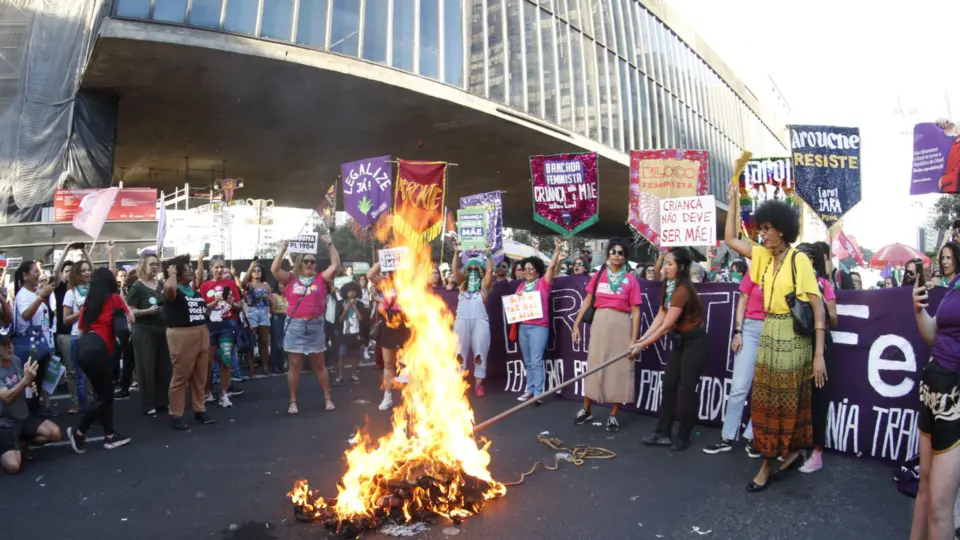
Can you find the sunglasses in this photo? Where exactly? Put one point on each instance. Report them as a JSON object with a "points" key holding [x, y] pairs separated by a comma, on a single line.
{"points": [[309, 261], [578, 264], [618, 252]]}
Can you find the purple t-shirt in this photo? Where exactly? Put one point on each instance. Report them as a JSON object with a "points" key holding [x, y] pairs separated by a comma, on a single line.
{"points": [[946, 349]]}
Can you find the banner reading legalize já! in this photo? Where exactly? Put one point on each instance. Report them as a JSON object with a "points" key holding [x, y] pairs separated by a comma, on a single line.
{"points": [[826, 168], [366, 189], [492, 204], [418, 208], [566, 191], [662, 174]]}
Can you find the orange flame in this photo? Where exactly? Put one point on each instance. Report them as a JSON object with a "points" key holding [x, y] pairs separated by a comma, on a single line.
{"points": [[432, 434]]}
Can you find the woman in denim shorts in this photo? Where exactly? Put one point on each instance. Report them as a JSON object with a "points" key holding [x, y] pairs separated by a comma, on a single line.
{"points": [[258, 310], [306, 293]]}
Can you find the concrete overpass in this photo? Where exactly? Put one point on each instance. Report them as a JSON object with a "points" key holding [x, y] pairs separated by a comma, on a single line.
{"points": [[284, 118]]}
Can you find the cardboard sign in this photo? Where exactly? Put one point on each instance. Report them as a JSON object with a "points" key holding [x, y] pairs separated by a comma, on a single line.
{"points": [[391, 259], [305, 243], [688, 221], [523, 307], [14, 262], [472, 229]]}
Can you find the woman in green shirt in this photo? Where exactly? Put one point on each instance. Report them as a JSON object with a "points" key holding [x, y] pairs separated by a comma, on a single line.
{"points": [[145, 299]]}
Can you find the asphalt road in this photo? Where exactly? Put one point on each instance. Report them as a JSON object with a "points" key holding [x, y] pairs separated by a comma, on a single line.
{"points": [[229, 480]]}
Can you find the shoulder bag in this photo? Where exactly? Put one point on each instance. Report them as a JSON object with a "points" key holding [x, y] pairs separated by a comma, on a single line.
{"points": [[591, 310], [802, 312]]}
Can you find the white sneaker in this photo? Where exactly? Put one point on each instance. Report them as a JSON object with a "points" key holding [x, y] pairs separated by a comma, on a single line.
{"points": [[387, 403], [208, 398], [225, 402], [526, 396]]}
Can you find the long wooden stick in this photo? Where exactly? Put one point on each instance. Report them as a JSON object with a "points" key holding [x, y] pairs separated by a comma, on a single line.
{"points": [[487, 423]]}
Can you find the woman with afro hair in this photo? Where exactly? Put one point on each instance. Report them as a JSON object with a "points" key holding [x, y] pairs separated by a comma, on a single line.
{"points": [[786, 361]]}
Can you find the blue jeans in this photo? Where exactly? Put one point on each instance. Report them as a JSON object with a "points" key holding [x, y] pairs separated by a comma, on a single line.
{"points": [[81, 378], [744, 365], [533, 341]]}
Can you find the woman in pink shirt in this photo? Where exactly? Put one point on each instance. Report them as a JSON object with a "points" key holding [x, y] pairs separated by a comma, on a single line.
{"points": [[306, 295], [746, 342], [615, 293], [820, 401], [533, 334]]}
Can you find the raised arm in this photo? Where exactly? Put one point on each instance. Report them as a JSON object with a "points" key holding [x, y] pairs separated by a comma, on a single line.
{"points": [[373, 275], [331, 270], [198, 275], [170, 284], [111, 257], [730, 235], [548, 277], [58, 270], [659, 265], [455, 264], [276, 268], [925, 323], [488, 275]]}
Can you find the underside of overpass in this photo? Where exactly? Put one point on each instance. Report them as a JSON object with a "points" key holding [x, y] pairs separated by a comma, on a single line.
{"points": [[284, 118]]}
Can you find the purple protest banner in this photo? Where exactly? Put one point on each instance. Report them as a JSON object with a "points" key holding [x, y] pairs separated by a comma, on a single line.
{"points": [[566, 192], [931, 146], [367, 189], [492, 203], [874, 370]]}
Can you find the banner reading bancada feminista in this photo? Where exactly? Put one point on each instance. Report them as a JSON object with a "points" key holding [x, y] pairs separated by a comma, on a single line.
{"points": [[874, 375]]}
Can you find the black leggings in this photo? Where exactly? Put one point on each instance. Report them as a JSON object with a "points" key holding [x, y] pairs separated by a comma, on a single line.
{"points": [[97, 365], [686, 365], [820, 400]]}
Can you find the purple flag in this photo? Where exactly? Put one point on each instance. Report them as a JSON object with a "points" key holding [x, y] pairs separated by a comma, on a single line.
{"points": [[367, 189], [931, 146], [492, 203], [886, 272]]}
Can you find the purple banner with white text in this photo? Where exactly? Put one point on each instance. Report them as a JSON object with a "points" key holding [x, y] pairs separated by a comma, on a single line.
{"points": [[874, 367], [931, 147]]}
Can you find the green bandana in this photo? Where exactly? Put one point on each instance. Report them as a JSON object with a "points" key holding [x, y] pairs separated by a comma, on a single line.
{"points": [[473, 282], [187, 290], [614, 279], [82, 290], [737, 277], [530, 286], [671, 286]]}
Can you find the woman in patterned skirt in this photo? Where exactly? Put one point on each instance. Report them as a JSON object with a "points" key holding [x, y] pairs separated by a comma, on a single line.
{"points": [[786, 361]]}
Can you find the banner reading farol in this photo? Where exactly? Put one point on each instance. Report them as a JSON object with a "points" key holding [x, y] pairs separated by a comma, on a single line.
{"points": [[826, 167], [566, 191], [662, 174], [764, 179], [418, 207]]}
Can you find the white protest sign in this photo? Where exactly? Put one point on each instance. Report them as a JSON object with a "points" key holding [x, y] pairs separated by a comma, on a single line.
{"points": [[391, 259], [688, 221], [14, 262], [523, 307], [304, 243]]}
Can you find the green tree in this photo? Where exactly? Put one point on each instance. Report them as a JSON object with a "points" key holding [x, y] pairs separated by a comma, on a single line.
{"points": [[947, 210]]}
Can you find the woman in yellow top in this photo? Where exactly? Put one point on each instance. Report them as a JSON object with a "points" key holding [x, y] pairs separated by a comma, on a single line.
{"points": [[786, 361]]}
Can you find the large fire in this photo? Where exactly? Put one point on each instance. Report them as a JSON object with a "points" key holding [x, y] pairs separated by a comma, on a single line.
{"points": [[429, 464]]}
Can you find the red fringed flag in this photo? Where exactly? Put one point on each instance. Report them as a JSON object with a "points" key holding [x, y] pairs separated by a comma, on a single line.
{"points": [[418, 204]]}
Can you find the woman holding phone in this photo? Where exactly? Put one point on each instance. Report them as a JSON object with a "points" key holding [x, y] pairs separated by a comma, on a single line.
{"points": [[939, 421]]}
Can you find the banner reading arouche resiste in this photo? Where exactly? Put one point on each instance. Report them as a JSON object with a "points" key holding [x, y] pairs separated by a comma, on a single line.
{"points": [[872, 387], [566, 192], [762, 180], [367, 189], [936, 159], [418, 205], [492, 203], [826, 169], [662, 174]]}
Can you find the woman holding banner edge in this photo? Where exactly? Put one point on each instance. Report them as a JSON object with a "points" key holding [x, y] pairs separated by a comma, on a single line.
{"points": [[780, 408], [533, 334]]}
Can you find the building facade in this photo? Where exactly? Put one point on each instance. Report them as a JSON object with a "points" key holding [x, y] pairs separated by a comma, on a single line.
{"points": [[610, 70]]}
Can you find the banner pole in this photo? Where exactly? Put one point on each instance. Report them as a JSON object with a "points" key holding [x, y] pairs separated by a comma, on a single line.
{"points": [[487, 423]]}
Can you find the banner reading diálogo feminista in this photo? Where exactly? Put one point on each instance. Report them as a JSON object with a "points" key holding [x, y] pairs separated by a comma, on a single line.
{"points": [[762, 180], [566, 192], [826, 168], [492, 204], [418, 208], [662, 174], [366, 189], [933, 149], [873, 387]]}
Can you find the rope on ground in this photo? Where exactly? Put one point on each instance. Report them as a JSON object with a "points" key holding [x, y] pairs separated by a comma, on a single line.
{"points": [[578, 455]]}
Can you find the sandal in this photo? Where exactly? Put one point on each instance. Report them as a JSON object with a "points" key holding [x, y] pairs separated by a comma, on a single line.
{"points": [[330, 406], [292, 409]]}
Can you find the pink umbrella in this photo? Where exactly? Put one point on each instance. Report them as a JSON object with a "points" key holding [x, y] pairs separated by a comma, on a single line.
{"points": [[896, 255]]}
